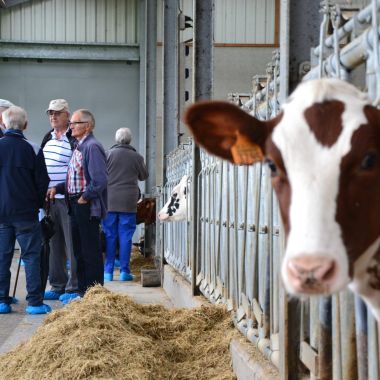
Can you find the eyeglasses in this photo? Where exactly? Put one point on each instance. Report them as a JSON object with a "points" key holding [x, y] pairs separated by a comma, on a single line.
{"points": [[54, 113], [77, 122]]}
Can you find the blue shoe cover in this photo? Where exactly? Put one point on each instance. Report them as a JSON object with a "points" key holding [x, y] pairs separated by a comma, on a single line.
{"points": [[124, 276], [5, 308], [14, 300], [67, 296], [51, 295], [22, 263], [117, 263], [69, 300], [42, 309], [108, 277]]}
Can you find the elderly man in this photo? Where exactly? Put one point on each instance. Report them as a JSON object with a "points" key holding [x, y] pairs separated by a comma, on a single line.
{"points": [[4, 105], [57, 146], [125, 168], [86, 190], [24, 182]]}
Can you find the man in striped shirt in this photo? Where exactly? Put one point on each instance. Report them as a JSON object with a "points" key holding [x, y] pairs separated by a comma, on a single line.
{"points": [[58, 146]]}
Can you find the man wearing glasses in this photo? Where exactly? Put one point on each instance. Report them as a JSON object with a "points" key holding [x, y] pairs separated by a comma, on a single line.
{"points": [[86, 190], [58, 146]]}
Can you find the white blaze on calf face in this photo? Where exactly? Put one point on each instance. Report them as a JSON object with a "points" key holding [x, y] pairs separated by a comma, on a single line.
{"points": [[313, 172], [175, 209]]}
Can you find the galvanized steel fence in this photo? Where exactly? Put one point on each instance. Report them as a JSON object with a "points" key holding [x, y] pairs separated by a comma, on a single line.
{"points": [[240, 240]]}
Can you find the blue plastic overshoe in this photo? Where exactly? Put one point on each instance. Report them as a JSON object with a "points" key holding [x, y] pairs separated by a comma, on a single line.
{"points": [[41, 309], [5, 308], [108, 277], [67, 296], [124, 276], [69, 300], [50, 295]]}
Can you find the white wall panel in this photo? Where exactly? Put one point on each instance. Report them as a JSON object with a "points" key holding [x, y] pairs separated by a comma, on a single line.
{"points": [[71, 21], [236, 21]]}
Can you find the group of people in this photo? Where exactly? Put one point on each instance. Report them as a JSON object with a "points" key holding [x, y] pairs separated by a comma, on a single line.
{"points": [[85, 187]]}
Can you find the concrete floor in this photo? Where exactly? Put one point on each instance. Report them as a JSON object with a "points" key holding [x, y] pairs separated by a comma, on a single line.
{"points": [[18, 326]]}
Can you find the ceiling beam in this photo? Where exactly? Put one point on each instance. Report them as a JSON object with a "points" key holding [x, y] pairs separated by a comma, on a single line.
{"points": [[11, 3]]}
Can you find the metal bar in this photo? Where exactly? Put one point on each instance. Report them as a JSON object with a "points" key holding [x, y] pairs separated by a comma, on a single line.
{"points": [[170, 76], [78, 51], [203, 87], [362, 17]]}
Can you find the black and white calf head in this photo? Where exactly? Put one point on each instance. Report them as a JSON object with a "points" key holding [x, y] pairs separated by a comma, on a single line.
{"points": [[175, 209], [324, 153]]}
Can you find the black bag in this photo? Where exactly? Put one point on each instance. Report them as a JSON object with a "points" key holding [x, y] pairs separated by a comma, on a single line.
{"points": [[47, 230], [47, 227]]}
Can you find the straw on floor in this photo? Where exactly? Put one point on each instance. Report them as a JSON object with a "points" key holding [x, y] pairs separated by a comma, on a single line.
{"points": [[108, 336]]}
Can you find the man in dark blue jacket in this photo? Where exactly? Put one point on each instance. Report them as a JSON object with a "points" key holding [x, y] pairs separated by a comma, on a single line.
{"points": [[23, 185]]}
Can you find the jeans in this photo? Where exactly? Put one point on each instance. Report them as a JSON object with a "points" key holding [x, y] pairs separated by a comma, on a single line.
{"points": [[86, 244], [119, 226], [28, 235]]}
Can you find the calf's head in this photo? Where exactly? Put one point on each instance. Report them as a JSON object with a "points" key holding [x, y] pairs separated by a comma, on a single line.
{"points": [[323, 150], [175, 208]]}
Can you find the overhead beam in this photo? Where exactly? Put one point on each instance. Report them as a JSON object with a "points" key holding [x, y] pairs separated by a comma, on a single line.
{"points": [[11, 3], [86, 52]]}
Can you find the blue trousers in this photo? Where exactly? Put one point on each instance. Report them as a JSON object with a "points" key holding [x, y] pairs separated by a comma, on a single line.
{"points": [[119, 226], [28, 235]]}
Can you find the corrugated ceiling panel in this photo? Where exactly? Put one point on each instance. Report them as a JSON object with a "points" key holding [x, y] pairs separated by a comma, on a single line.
{"points": [[71, 21]]}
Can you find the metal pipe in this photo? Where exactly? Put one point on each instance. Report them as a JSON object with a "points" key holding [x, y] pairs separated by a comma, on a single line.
{"points": [[362, 17]]}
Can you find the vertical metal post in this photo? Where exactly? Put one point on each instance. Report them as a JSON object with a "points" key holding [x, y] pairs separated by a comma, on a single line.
{"points": [[170, 76], [295, 41], [203, 85], [150, 115], [143, 89], [148, 101], [151, 98]]}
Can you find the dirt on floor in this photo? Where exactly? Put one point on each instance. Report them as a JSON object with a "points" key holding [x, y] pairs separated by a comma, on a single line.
{"points": [[138, 262]]}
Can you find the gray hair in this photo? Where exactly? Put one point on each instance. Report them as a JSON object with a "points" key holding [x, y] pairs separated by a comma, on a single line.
{"points": [[15, 118], [123, 136], [87, 116]]}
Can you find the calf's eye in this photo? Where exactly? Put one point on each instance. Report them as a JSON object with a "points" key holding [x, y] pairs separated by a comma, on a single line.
{"points": [[368, 161], [272, 167]]}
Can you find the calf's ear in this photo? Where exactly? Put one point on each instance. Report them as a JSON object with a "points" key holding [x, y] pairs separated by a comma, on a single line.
{"points": [[226, 131]]}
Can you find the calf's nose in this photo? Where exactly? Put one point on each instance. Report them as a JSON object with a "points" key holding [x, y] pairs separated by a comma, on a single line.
{"points": [[310, 270]]}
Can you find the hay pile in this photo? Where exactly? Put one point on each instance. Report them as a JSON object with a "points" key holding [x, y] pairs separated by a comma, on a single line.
{"points": [[108, 336]]}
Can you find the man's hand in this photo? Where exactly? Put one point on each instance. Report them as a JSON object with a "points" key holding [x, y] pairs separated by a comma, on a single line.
{"points": [[50, 195], [82, 201]]}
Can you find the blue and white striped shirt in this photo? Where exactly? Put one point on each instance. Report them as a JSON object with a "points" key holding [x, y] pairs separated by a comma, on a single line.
{"points": [[57, 154]]}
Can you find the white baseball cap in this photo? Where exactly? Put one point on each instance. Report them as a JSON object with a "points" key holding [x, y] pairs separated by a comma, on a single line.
{"points": [[58, 105], [5, 103]]}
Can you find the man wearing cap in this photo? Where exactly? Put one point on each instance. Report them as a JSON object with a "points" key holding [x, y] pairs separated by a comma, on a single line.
{"points": [[4, 105], [58, 146]]}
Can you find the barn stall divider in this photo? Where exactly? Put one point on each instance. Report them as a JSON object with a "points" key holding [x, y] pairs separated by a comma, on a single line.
{"points": [[240, 242]]}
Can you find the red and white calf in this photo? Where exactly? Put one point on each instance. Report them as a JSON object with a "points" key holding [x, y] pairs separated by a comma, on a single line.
{"points": [[323, 150], [175, 209]]}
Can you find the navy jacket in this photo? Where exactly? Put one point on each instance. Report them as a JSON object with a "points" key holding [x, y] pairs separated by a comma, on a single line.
{"points": [[23, 178]]}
